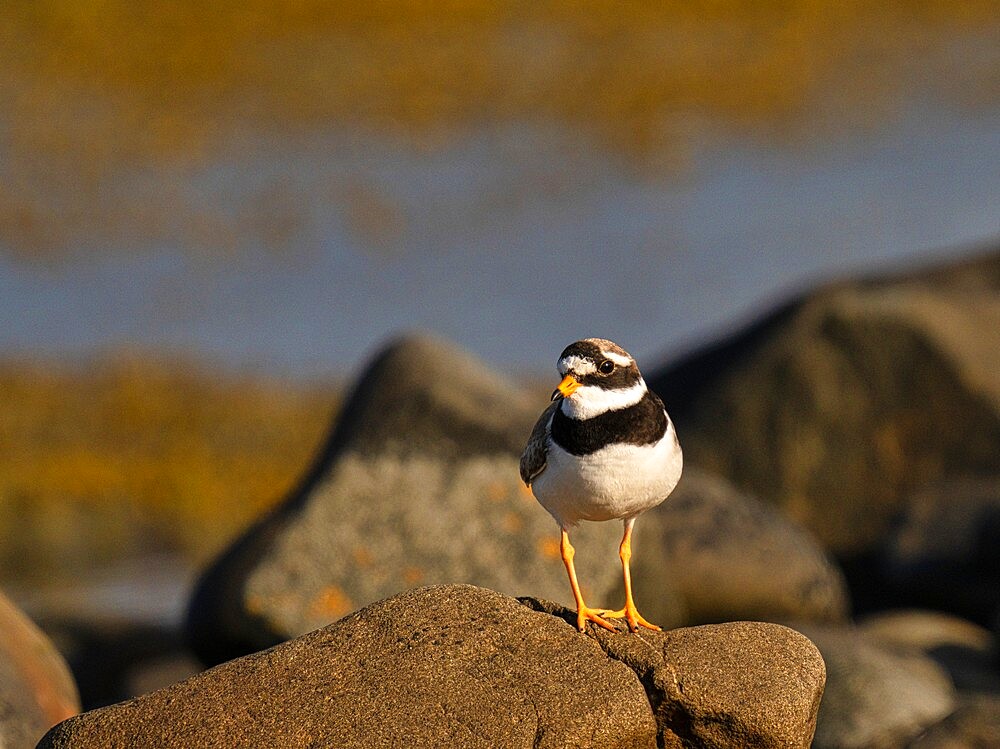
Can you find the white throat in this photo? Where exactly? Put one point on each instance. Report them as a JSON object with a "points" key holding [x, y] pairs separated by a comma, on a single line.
{"points": [[590, 401]]}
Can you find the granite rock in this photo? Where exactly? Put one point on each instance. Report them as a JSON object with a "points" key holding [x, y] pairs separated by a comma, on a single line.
{"points": [[462, 666], [454, 666]]}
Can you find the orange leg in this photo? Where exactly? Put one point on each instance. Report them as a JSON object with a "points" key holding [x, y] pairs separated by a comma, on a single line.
{"points": [[583, 614], [630, 613]]}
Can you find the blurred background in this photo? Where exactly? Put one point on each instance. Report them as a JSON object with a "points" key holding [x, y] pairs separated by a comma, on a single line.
{"points": [[212, 214]]}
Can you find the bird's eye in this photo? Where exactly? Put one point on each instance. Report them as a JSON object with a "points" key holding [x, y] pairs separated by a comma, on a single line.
{"points": [[606, 367]]}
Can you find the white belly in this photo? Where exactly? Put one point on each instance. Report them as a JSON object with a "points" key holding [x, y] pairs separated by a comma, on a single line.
{"points": [[619, 481]]}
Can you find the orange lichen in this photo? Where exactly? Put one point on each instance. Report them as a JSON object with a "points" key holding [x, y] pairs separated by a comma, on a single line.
{"points": [[330, 603]]}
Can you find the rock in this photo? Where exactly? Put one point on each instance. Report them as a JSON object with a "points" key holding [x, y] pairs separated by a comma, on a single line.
{"points": [[875, 696], [842, 402], [461, 666], [945, 550], [453, 666], [731, 557], [36, 688], [975, 724], [736, 684], [417, 484], [965, 650]]}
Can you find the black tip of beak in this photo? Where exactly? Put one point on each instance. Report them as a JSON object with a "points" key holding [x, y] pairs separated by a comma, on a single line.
{"points": [[555, 395]]}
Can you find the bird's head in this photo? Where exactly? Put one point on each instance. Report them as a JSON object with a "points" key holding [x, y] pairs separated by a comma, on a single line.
{"points": [[597, 376]]}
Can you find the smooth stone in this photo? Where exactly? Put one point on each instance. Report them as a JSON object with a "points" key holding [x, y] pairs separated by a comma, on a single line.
{"points": [[944, 550], [113, 659], [455, 666]]}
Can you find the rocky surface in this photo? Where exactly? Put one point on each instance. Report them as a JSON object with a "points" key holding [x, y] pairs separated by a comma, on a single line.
{"points": [[36, 688], [466, 667], [844, 401], [440, 666], [729, 556], [735, 684], [876, 696]]}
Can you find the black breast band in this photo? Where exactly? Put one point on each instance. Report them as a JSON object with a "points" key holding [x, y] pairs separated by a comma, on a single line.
{"points": [[643, 423]]}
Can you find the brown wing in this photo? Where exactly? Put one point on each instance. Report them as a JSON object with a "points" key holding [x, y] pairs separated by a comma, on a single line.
{"points": [[533, 460]]}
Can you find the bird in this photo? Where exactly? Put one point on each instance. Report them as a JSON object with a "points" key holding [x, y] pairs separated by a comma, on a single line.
{"points": [[603, 449]]}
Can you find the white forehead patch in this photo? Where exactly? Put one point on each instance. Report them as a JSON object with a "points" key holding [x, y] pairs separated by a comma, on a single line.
{"points": [[577, 365]]}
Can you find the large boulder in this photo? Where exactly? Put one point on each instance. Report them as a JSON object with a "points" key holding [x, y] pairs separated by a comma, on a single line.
{"points": [[844, 401], [451, 666], [729, 556], [36, 688], [461, 666], [876, 696], [418, 484]]}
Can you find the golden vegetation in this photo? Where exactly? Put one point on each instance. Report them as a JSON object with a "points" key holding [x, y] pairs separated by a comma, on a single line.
{"points": [[130, 453], [101, 94]]}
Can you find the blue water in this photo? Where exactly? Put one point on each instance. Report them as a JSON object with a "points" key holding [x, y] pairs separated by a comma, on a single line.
{"points": [[512, 242]]}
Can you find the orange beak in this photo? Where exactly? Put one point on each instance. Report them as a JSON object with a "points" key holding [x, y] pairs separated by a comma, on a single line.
{"points": [[568, 386]]}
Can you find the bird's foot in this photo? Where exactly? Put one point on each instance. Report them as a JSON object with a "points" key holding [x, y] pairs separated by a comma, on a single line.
{"points": [[631, 615], [585, 614]]}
